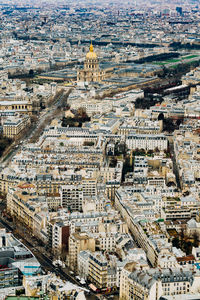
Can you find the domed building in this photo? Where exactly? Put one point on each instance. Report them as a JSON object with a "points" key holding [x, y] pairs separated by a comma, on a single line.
{"points": [[91, 71]]}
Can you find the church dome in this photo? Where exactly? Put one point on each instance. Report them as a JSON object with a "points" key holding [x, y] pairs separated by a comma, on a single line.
{"points": [[91, 54]]}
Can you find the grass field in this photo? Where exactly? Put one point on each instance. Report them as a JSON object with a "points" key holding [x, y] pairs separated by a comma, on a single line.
{"points": [[172, 60], [176, 60], [186, 62], [189, 57], [160, 63], [165, 62]]}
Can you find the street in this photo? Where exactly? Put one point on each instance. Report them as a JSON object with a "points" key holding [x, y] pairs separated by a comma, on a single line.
{"points": [[34, 132], [45, 261], [19, 231], [175, 167]]}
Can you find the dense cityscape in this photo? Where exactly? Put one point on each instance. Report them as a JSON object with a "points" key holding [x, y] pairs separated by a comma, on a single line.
{"points": [[100, 150]]}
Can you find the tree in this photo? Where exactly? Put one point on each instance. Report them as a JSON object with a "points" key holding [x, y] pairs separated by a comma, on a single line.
{"points": [[168, 125], [195, 238], [20, 292], [178, 122], [175, 242], [188, 247], [81, 112], [31, 72], [142, 151], [182, 237], [161, 117], [150, 152], [113, 162], [120, 148], [4, 143]]}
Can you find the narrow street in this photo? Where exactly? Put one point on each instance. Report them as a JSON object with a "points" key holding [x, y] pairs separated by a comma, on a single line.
{"points": [[175, 167]]}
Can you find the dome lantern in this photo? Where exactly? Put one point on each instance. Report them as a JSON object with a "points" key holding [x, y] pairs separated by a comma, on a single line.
{"points": [[91, 55]]}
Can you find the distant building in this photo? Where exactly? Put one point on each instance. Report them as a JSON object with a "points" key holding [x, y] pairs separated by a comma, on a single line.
{"points": [[91, 71]]}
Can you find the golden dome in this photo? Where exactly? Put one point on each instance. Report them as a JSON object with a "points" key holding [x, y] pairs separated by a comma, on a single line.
{"points": [[91, 54]]}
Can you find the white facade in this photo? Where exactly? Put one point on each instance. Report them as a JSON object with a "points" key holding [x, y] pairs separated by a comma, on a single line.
{"points": [[147, 142], [83, 264]]}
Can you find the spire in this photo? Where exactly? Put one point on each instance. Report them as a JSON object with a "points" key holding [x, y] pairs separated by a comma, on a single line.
{"points": [[91, 47]]}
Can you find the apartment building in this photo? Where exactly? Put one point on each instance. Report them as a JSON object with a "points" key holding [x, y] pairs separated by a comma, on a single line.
{"points": [[77, 243], [98, 270], [176, 212], [72, 197], [147, 142], [140, 126], [148, 233], [51, 287], [153, 283], [83, 264], [14, 125], [105, 241], [24, 204], [101, 225], [58, 235]]}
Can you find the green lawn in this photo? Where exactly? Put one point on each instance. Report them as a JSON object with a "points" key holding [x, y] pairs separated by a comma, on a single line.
{"points": [[160, 63], [166, 61], [190, 56], [176, 60], [187, 62], [172, 60]]}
